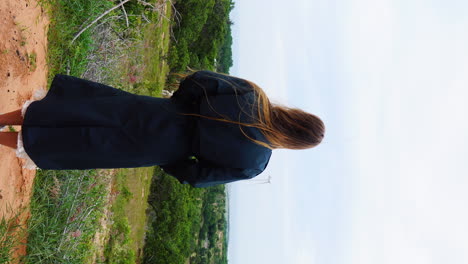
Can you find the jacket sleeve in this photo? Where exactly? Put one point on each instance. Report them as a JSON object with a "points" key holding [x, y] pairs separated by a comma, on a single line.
{"points": [[199, 174], [207, 83], [73, 87]]}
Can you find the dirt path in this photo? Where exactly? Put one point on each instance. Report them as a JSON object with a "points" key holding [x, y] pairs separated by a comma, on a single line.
{"points": [[23, 47]]}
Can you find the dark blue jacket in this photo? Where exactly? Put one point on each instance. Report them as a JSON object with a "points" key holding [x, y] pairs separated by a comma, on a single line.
{"points": [[81, 124], [223, 153]]}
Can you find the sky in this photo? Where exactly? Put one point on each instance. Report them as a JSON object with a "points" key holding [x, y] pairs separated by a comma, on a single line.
{"points": [[389, 183]]}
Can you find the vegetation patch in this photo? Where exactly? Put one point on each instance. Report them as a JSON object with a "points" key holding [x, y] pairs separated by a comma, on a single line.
{"points": [[119, 247], [185, 223], [201, 36], [65, 207], [67, 18], [11, 234]]}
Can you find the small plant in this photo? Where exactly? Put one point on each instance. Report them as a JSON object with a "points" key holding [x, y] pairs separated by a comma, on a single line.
{"points": [[5, 51], [23, 28], [32, 58]]}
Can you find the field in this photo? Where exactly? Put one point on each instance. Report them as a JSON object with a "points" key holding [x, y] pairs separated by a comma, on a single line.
{"points": [[112, 216]]}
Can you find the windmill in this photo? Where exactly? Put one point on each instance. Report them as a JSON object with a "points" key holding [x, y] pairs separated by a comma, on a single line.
{"points": [[260, 181]]}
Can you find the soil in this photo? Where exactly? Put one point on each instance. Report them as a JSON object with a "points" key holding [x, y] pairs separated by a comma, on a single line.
{"points": [[23, 69]]}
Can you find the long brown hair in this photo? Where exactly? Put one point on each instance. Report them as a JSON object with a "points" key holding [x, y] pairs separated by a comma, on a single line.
{"points": [[283, 127]]}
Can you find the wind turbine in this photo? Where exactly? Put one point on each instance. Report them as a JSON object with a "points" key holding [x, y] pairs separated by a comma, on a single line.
{"points": [[261, 181]]}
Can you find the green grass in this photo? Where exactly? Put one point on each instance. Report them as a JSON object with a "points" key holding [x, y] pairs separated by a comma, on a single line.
{"points": [[119, 247], [138, 183], [67, 18], [65, 207], [155, 52], [126, 240], [144, 67]]}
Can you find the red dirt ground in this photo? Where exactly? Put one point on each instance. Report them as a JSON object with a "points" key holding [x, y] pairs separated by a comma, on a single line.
{"points": [[23, 69]]}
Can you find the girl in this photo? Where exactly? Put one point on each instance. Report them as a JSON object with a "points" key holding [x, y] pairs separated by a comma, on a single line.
{"points": [[215, 129]]}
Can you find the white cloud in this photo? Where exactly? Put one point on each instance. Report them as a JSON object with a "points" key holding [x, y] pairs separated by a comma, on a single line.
{"points": [[409, 69]]}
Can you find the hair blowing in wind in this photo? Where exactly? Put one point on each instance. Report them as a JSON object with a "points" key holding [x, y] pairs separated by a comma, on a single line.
{"points": [[283, 127]]}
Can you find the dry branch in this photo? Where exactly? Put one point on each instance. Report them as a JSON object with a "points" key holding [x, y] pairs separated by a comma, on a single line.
{"points": [[125, 13], [147, 4]]}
